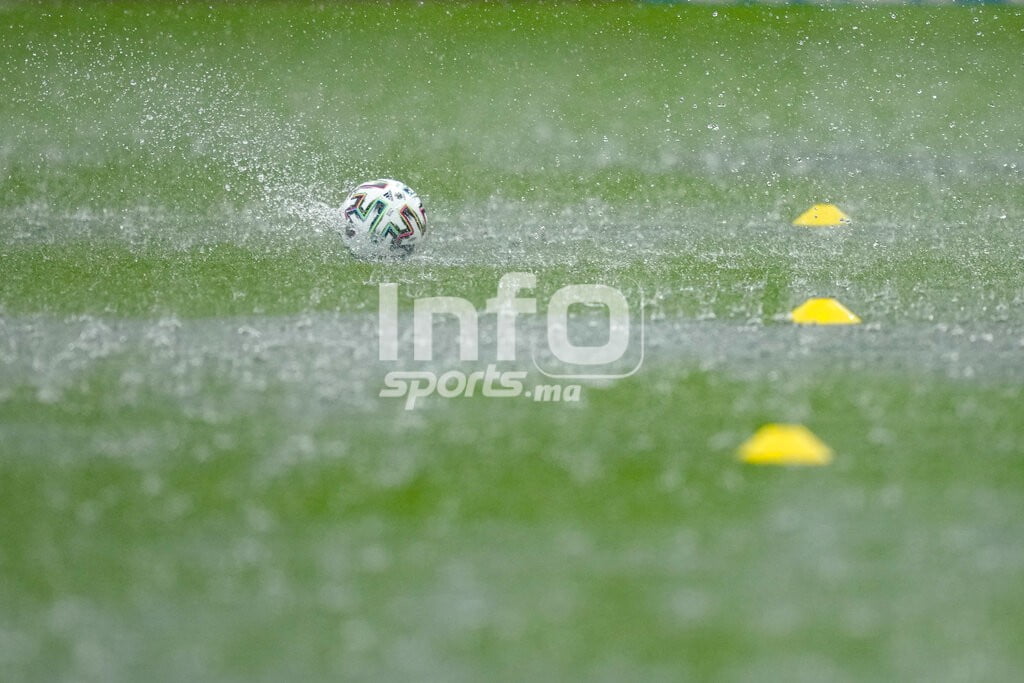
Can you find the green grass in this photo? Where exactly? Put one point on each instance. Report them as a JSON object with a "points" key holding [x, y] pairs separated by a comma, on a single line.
{"points": [[759, 274], [199, 481]]}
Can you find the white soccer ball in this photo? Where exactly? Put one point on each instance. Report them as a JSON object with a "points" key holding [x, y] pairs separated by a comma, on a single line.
{"points": [[383, 218]]}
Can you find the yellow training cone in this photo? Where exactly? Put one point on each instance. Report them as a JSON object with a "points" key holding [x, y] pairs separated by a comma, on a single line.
{"points": [[822, 216], [785, 444], [823, 312]]}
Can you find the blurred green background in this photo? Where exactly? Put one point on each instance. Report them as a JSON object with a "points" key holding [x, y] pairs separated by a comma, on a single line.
{"points": [[199, 481]]}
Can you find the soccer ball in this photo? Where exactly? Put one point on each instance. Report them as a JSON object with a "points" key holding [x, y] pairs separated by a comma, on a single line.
{"points": [[383, 218]]}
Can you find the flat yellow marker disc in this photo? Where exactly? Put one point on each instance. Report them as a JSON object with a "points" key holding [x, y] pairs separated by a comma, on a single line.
{"points": [[822, 216], [823, 312], [785, 444]]}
